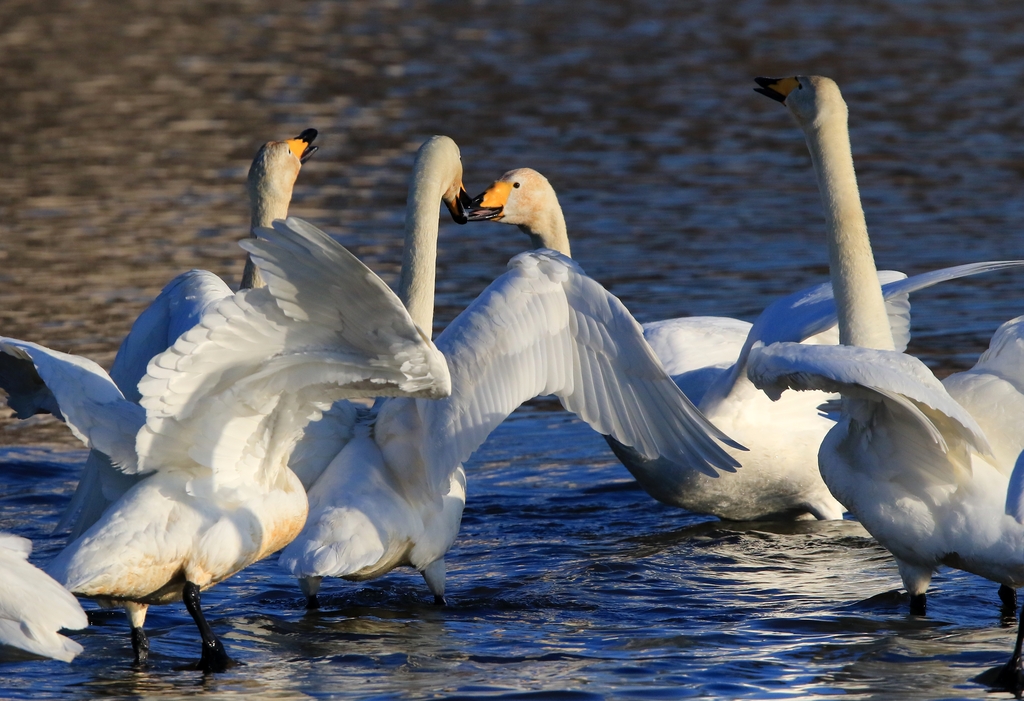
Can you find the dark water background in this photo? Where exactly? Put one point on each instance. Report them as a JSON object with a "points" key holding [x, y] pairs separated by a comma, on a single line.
{"points": [[125, 135]]}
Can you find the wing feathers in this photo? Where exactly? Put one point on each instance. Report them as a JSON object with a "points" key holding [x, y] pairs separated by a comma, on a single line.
{"points": [[871, 374], [235, 392], [544, 327], [89, 402], [810, 311]]}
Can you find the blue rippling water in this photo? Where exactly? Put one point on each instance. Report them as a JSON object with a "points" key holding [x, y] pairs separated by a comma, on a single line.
{"points": [[566, 582]]}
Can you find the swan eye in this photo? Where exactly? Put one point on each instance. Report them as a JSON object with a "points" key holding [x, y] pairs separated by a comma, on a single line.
{"points": [[515, 184], [799, 86]]}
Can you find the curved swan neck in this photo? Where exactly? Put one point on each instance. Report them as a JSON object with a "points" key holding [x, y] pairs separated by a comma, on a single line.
{"points": [[861, 310], [437, 166]]}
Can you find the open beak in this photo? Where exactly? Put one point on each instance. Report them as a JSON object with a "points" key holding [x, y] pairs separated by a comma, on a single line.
{"points": [[302, 145], [457, 207], [777, 89], [490, 204], [477, 212]]}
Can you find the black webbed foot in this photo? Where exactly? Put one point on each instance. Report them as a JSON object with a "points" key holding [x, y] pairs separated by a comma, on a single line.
{"points": [[1009, 677], [214, 658]]}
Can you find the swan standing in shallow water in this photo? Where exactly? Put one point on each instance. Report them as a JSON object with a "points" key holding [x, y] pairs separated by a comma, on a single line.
{"points": [[927, 467], [220, 413], [33, 607], [706, 356], [395, 494], [177, 308]]}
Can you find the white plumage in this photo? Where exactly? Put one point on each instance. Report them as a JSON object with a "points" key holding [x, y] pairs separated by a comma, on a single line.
{"points": [[177, 308], [927, 467], [395, 494], [33, 607], [223, 408], [707, 357]]}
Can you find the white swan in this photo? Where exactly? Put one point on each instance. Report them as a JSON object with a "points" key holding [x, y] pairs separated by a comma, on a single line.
{"points": [[176, 309], [706, 357], [927, 467], [220, 413], [395, 494], [33, 607]]}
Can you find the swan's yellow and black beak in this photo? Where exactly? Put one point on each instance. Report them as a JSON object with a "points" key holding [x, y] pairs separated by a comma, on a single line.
{"points": [[458, 205], [302, 145], [777, 89], [490, 204]]}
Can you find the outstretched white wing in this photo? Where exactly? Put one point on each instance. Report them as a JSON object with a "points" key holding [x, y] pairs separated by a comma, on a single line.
{"points": [[178, 307], [544, 327], [78, 391], [234, 392], [901, 382], [102, 410], [175, 310], [993, 391], [812, 310]]}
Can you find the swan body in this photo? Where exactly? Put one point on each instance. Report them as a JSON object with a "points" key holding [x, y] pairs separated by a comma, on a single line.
{"points": [[177, 308], [33, 607], [542, 328], [395, 494], [931, 469], [220, 412], [778, 478], [706, 357]]}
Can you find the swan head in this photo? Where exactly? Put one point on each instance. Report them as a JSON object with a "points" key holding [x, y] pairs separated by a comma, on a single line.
{"points": [[525, 198], [812, 99], [439, 157], [275, 168]]}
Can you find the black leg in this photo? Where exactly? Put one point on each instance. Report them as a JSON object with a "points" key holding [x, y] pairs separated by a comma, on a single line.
{"points": [[312, 602], [1008, 596], [918, 604], [439, 600], [213, 659], [1011, 676], [140, 644]]}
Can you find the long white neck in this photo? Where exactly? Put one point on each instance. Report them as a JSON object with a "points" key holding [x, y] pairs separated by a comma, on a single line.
{"points": [[268, 200], [861, 309], [549, 230], [431, 178]]}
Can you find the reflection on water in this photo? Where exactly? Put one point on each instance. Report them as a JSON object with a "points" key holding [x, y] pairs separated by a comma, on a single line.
{"points": [[127, 132]]}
